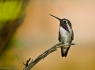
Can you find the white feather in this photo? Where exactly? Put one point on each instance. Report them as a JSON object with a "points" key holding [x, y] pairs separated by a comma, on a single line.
{"points": [[65, 35]]}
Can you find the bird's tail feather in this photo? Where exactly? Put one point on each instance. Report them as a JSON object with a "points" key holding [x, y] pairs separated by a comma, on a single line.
{"points": [[67, 51], [64, 54]]}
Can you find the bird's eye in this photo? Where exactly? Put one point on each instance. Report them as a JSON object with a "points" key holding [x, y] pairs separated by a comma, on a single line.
{"points": [[64, 21]]}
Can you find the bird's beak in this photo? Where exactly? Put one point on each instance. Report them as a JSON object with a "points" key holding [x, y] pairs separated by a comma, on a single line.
{"points": [[55, 17]]}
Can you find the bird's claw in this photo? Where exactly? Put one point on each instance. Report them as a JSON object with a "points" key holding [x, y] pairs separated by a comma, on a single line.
{"points": [[74, 43]]}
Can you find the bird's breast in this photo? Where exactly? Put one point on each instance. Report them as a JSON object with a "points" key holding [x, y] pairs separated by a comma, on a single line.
{"points": [[63, 32], [65, 35]]}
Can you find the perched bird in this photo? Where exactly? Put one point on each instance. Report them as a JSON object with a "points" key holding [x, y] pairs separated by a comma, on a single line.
{"points": [[66, 35]]}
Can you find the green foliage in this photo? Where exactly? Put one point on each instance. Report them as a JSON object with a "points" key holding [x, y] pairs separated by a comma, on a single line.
{"points": [[10, 10]]}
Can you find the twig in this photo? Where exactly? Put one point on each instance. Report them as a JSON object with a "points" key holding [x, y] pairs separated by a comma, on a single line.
{"points": [[27, 62], [43, 55]]}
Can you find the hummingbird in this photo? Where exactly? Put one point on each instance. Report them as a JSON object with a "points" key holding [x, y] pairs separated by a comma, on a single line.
{"points": [[66, 35]]}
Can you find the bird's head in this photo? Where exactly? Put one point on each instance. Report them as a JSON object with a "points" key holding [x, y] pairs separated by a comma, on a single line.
{"points": [[64, 23]]}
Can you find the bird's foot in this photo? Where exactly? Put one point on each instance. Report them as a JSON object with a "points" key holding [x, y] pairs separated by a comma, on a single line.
{"points": [[74, 43], [65, 44]]}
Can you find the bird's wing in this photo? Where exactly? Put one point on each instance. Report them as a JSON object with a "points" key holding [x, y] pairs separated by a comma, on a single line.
{"points": [[59, 37], [72, 35]]}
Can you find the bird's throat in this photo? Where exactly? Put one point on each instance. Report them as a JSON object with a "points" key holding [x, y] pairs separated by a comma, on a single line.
{"points": [[66, 28]]}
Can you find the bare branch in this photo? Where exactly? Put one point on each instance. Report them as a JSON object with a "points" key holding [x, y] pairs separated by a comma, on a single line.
{"points": [[42, 56], [27, 62], [29, 66]]}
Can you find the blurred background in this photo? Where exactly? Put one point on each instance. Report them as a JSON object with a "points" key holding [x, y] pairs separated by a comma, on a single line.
{"points": [[39, 32]]}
